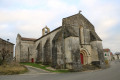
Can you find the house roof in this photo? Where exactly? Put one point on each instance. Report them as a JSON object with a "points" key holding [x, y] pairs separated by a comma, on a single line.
{"points": [[27, 39], [33, 39], [7, 41], [106, 50], [117, 53]]}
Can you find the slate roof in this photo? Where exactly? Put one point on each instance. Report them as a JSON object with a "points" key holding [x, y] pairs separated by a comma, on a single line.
{"points": [[117, 53], [6, 41], [106, 50]]}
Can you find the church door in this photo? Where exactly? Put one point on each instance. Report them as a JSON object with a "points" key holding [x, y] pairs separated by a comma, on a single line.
{"points": [[81, 56]]}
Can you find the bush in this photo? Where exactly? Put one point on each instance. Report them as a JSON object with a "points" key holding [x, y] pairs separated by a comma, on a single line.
{"points": [[96, 63], [106, 62]]}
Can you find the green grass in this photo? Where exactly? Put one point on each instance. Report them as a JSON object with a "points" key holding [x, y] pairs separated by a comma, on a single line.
{"points": [[44, 67]]}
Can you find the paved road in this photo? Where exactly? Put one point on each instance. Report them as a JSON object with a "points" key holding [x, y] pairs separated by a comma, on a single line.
{"points": [[112, 73]]}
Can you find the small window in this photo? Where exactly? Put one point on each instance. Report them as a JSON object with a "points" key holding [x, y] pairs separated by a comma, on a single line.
{"points": [[105, 55]]}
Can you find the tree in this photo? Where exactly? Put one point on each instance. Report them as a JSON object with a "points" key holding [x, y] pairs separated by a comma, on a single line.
{"points": [[4, 54]]}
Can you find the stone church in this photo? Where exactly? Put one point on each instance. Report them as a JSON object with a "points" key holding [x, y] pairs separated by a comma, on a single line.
{"points": [[69, 46]]}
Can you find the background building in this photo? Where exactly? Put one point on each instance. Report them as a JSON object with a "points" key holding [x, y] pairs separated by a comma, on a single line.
{"points": [[108, 54], [6, 50], [117, 55]]}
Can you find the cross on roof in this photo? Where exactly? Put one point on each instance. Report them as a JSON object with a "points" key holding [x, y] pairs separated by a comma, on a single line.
{"points": [[80, 11]]}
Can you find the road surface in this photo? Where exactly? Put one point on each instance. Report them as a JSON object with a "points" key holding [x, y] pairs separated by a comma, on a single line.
{"points": [[112, 73]]}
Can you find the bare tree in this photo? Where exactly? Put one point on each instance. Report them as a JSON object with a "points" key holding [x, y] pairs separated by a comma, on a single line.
{"points": [[4, 54]]}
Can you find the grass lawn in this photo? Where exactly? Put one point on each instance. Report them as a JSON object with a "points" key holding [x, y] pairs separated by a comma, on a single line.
{"points": [[44, 67], [9, 69]]}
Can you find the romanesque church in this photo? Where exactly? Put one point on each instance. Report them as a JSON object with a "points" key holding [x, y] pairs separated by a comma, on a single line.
{"points": [[69, 46]]}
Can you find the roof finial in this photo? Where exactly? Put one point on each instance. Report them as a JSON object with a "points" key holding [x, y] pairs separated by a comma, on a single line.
{"points": [[80, 11], [46, 26]]}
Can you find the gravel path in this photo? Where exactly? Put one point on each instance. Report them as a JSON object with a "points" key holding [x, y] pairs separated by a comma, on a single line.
{"points": [[33, 70]]}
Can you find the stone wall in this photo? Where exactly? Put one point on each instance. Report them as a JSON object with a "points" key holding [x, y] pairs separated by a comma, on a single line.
{"points": [[47, 54], [76, 21], [58, 58], [39, 52], [72, 53], [46, 47], [97, 50], [94, 52], [8, 48], [24, 50], [78, 26], [17, 48], [27, 48]]}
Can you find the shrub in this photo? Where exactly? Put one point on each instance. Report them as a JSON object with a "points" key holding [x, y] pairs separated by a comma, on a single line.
{"points": [[106, 62], [96, 63]]}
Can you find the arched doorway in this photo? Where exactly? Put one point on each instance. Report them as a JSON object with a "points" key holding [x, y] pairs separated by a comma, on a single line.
{"points": [[81, 57]]}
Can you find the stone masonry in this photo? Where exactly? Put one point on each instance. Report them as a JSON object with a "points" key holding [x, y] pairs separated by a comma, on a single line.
{"points": [[70, 46]]}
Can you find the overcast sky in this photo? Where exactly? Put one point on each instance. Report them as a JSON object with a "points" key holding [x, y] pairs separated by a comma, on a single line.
{"points": [[28, 17]]}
